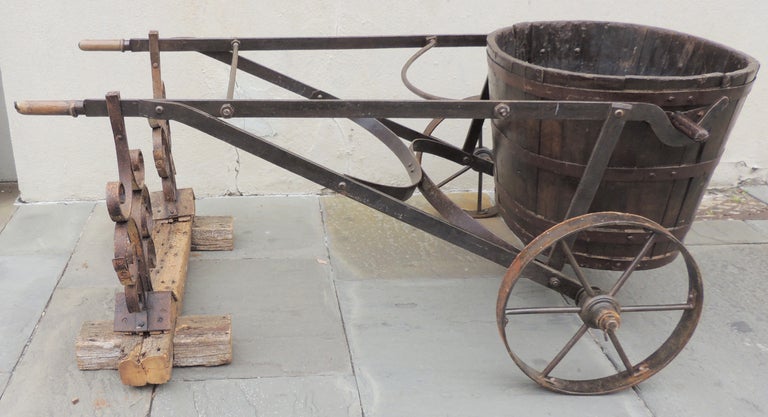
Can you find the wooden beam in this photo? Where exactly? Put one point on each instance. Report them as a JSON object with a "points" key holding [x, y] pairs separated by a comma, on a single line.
{"points": [[153, 364], [197, 341], [213, 233]]}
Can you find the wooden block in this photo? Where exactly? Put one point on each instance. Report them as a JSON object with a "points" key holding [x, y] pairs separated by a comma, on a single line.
{"points": [[197, 341], [210, 233], [129, 368], [98, 347], [157, 358], [172, 245], [203, 341]]}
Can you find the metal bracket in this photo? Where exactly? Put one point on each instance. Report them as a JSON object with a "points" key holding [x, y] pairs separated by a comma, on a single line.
{"points": [[155, 317]]}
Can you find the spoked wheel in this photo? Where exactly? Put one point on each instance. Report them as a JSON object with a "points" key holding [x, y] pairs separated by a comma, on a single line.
{"points": [[639, 319]]}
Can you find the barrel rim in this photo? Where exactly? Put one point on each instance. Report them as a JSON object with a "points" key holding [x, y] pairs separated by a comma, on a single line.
{"points": [[740, 76]]}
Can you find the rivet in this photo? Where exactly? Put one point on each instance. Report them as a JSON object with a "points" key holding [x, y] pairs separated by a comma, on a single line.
{"points": [[159, 109], [342, 186], [619, 113], [227, 110], [501, 110]]}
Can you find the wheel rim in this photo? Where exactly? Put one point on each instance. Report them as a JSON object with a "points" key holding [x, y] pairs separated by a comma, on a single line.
{"points": [[599, 310]]}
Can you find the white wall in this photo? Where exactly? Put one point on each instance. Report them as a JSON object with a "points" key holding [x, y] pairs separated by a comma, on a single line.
{"points": [[59, 158]]}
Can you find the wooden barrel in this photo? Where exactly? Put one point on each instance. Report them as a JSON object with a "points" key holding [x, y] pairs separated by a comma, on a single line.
{"points": [[539, 162]]}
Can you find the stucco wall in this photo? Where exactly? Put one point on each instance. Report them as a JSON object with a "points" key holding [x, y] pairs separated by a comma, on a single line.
{"points": [[59, 158]]}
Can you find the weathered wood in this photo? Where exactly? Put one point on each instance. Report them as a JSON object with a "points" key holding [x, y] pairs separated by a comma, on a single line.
{"points": [[172, 245], [213, 233], [157, 357], [606, 61], [203, 341], [197, 341], [173, 242], [98, 347], [129, 367]]}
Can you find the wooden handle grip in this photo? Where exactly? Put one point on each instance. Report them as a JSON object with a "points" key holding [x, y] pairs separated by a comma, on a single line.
{"points": [[49, 107], [689, 127], [102, 45]]}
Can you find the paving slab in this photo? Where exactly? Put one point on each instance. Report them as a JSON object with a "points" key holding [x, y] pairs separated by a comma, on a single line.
{"points": [[26, 284], [285, 317], [724, 232], [292, 396], [91, 262], [760, 192], [760, 225], [47, 382], [50, 229], [366, 244], [722, 370], [268, 227], [431, 347], [8, 194]]}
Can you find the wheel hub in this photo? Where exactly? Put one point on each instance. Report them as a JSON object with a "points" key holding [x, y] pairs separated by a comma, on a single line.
{"points": [[601, 312]]}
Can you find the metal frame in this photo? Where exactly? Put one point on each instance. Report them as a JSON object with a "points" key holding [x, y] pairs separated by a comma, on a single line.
{"points": [[599, 311], [207, 116]]}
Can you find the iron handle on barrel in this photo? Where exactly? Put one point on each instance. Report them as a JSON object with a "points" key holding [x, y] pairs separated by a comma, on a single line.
{"points": [[691, 129], [697, 131]]}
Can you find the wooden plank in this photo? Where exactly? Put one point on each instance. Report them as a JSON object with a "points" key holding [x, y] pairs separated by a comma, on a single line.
{"points": [[173, 242], [197, 341], [157, 358], [172, 245], [203, 341], [98, 347], [213, 233]]}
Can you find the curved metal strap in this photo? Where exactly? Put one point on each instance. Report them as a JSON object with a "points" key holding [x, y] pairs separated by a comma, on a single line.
{"points": [[455, 215], [373, 126]]}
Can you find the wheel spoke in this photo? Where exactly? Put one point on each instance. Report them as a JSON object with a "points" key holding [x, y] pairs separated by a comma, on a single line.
{"points": [[635, 262], [577, 269], [453, 177], [619, 349], [656, 307], [541, 310], [564, 351]]}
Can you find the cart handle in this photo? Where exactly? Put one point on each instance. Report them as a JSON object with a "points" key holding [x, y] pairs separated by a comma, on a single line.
{"points": [[119, 45], [50, 107]]}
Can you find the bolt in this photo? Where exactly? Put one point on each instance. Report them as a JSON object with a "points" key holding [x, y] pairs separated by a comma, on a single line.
{"points": [[342, 186], [501, 111], [140, 325], [159, 109], [619, 113], [227, 110], [160, 319], [155, 65], [465, 160], [554, 282]]}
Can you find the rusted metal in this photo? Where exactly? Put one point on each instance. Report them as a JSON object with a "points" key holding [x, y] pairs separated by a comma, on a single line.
{"points": [[684, 120], [156, 317], [598, 308]]}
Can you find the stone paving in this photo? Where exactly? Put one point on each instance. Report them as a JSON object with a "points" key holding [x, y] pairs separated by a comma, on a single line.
{"points": [[340, 311]]}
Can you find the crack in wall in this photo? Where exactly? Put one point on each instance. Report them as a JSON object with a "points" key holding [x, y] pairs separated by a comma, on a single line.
{"points": [[237, 191]]}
